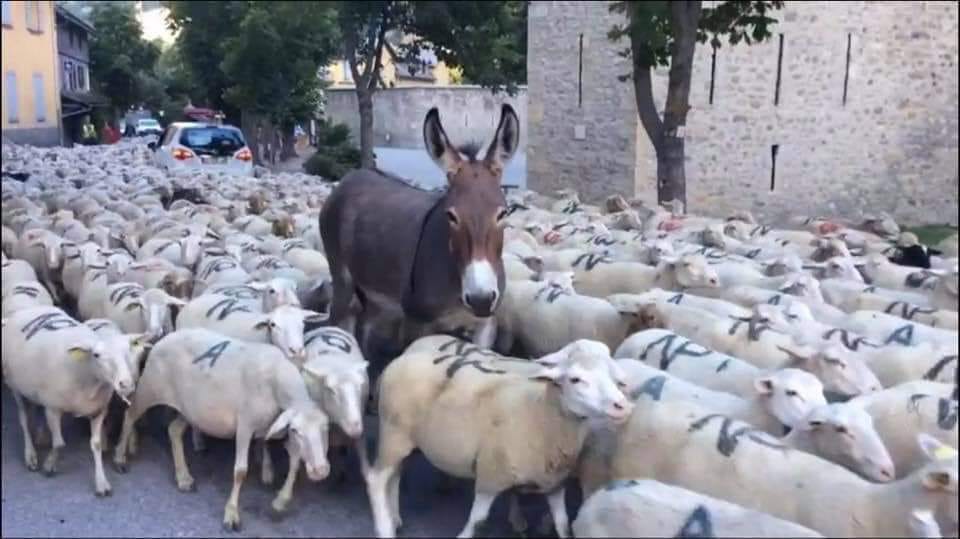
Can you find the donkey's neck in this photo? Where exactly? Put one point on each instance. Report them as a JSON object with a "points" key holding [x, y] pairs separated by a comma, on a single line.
{"points": [[434, 287]]}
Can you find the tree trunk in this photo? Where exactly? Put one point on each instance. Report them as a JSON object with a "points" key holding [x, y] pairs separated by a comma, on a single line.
{"points": [[671, 175], [289, 142], [365, 103], [248, 124]]}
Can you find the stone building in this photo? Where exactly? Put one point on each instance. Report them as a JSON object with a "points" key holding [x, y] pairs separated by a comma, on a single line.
{"points": [[864, 119]]}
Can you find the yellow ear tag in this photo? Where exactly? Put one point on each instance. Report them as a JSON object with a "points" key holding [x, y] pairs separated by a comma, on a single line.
{"points": [[77, 354], [945, 452]]}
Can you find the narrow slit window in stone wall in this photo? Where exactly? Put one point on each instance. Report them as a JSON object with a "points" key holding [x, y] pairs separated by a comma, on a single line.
{"points": [[713, 71], [580, 74], [846, 70], [776, 92], [774, 150]]}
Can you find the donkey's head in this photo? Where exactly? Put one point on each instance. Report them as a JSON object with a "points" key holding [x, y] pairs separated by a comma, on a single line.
{"points": [[475, 207]]}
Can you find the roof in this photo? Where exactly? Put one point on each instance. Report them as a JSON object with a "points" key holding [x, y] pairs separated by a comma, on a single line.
{"points": [[87, 98], [65, 12]]}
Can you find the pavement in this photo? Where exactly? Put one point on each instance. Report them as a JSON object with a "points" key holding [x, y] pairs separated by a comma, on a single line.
{"points": [[145, 501], [416, 165]]}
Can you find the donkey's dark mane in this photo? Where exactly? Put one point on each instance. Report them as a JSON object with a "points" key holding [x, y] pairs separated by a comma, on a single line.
{"points": [[471, 150]]}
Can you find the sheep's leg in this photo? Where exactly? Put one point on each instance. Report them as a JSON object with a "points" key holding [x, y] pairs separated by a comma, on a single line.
{"points": [[378, 480], [183, 477], [136, 409], [102, 486], [199, 444], [485, 333], [482, 502], [518, 522], [557, 501], [231, 513], [29, 451], [267, 475], [41, 434], [360, 445], [393, 491], [54, 420], [286, 491], [394, 446]]}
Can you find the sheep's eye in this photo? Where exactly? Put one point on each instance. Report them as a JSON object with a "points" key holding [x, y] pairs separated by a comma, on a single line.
{"points": [[791, 393], [842, 430], [272, 291], [621, 384], [575, 380], [273, 325]]}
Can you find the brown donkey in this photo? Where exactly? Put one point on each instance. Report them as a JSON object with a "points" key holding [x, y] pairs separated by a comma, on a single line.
{"points": [[418, 254]]}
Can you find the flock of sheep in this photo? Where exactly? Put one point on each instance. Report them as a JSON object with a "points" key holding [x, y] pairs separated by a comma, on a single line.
{"points": [[696, 376]]}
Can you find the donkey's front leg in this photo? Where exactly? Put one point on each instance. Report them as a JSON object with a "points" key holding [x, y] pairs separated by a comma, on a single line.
{"points": [[485, 332]]}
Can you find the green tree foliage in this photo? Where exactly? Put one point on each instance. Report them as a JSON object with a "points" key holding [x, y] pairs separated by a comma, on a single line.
{"points": [[666, 33], [203, 28], [272, 61], [119, 59], [486, 39]]}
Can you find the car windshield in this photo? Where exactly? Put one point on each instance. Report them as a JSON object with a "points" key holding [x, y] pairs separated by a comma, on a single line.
{"points": [[149, 123], [217, 141]]}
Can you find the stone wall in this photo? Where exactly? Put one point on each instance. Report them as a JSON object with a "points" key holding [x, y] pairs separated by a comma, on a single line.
{"points": [[892, 146], [467, 113]]}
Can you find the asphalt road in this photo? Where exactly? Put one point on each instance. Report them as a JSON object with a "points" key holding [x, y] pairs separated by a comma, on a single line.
{"points": [[145, 501]]}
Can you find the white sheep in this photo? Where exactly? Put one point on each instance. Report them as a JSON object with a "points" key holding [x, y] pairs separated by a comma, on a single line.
{"points": [[902, 412], [846, 294], [544, 316], [648, 508], [754, 340], [230, 389], [428, 405], [24, 295], [282, 326], [139, 310], [888, 329], [681, 444], [880, 271], [600, 277], [63, 366]]}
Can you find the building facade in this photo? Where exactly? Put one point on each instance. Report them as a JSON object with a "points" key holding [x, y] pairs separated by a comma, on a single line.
{"points": [[31, 112], [851, 107]]}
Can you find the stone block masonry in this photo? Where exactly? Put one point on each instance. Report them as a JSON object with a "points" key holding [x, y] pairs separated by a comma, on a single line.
{"points": [[889, 142]]}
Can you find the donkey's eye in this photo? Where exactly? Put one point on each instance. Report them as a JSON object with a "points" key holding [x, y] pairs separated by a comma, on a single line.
{"points": [[452, 217], [501, 215]]}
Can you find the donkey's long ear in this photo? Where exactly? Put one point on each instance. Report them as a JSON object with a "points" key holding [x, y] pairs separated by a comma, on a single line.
{"points": [[438, 145], [505, 140]]}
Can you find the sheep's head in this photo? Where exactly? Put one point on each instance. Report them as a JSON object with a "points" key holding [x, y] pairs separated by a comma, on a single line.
{"points": [[802, 285], [563, 280], [842, 373], [109, 360], [308, 427], [283, 226], [845, 433], [713, 236], [340, 384], [284, 326], [840, 267], [690, 271], [789, 394], [276, 292], [640, 313], [783, 265], [939, 478], [178, 283], [589, 382]]}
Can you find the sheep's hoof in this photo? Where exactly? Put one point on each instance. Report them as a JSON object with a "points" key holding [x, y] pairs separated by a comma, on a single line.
{"points": [[33, 463], [231, 521], [267, 477], [121, 466], [103, 491], [186, 485], [279, 506], [50, 466]]}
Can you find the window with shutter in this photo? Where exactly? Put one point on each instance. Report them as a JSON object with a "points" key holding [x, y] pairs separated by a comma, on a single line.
{"points": [[7, 13], [10, 90], [39, 97]]}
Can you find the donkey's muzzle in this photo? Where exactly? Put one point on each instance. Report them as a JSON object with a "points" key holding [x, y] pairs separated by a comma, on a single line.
{"points": [[481, 303]]}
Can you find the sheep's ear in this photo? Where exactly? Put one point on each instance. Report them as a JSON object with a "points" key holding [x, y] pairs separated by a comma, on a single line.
{"points": [[934, 448], [280, 424], [535, 263], [79, 353], [176, 302], [262, 325], [621, 304], [548, 373], [936, 480], [763, 385], [141, 340], [257, 285], [318, 374], [314, 317], [553, 359], [133, 306]]}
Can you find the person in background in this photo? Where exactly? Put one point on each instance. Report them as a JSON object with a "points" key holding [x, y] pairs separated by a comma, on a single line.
{"points": [[88, 133], [910, 252], [109, 133]]}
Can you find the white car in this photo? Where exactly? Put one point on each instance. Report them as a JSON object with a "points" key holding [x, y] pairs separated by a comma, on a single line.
{"points": [[147, 126], [203, 146]]}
